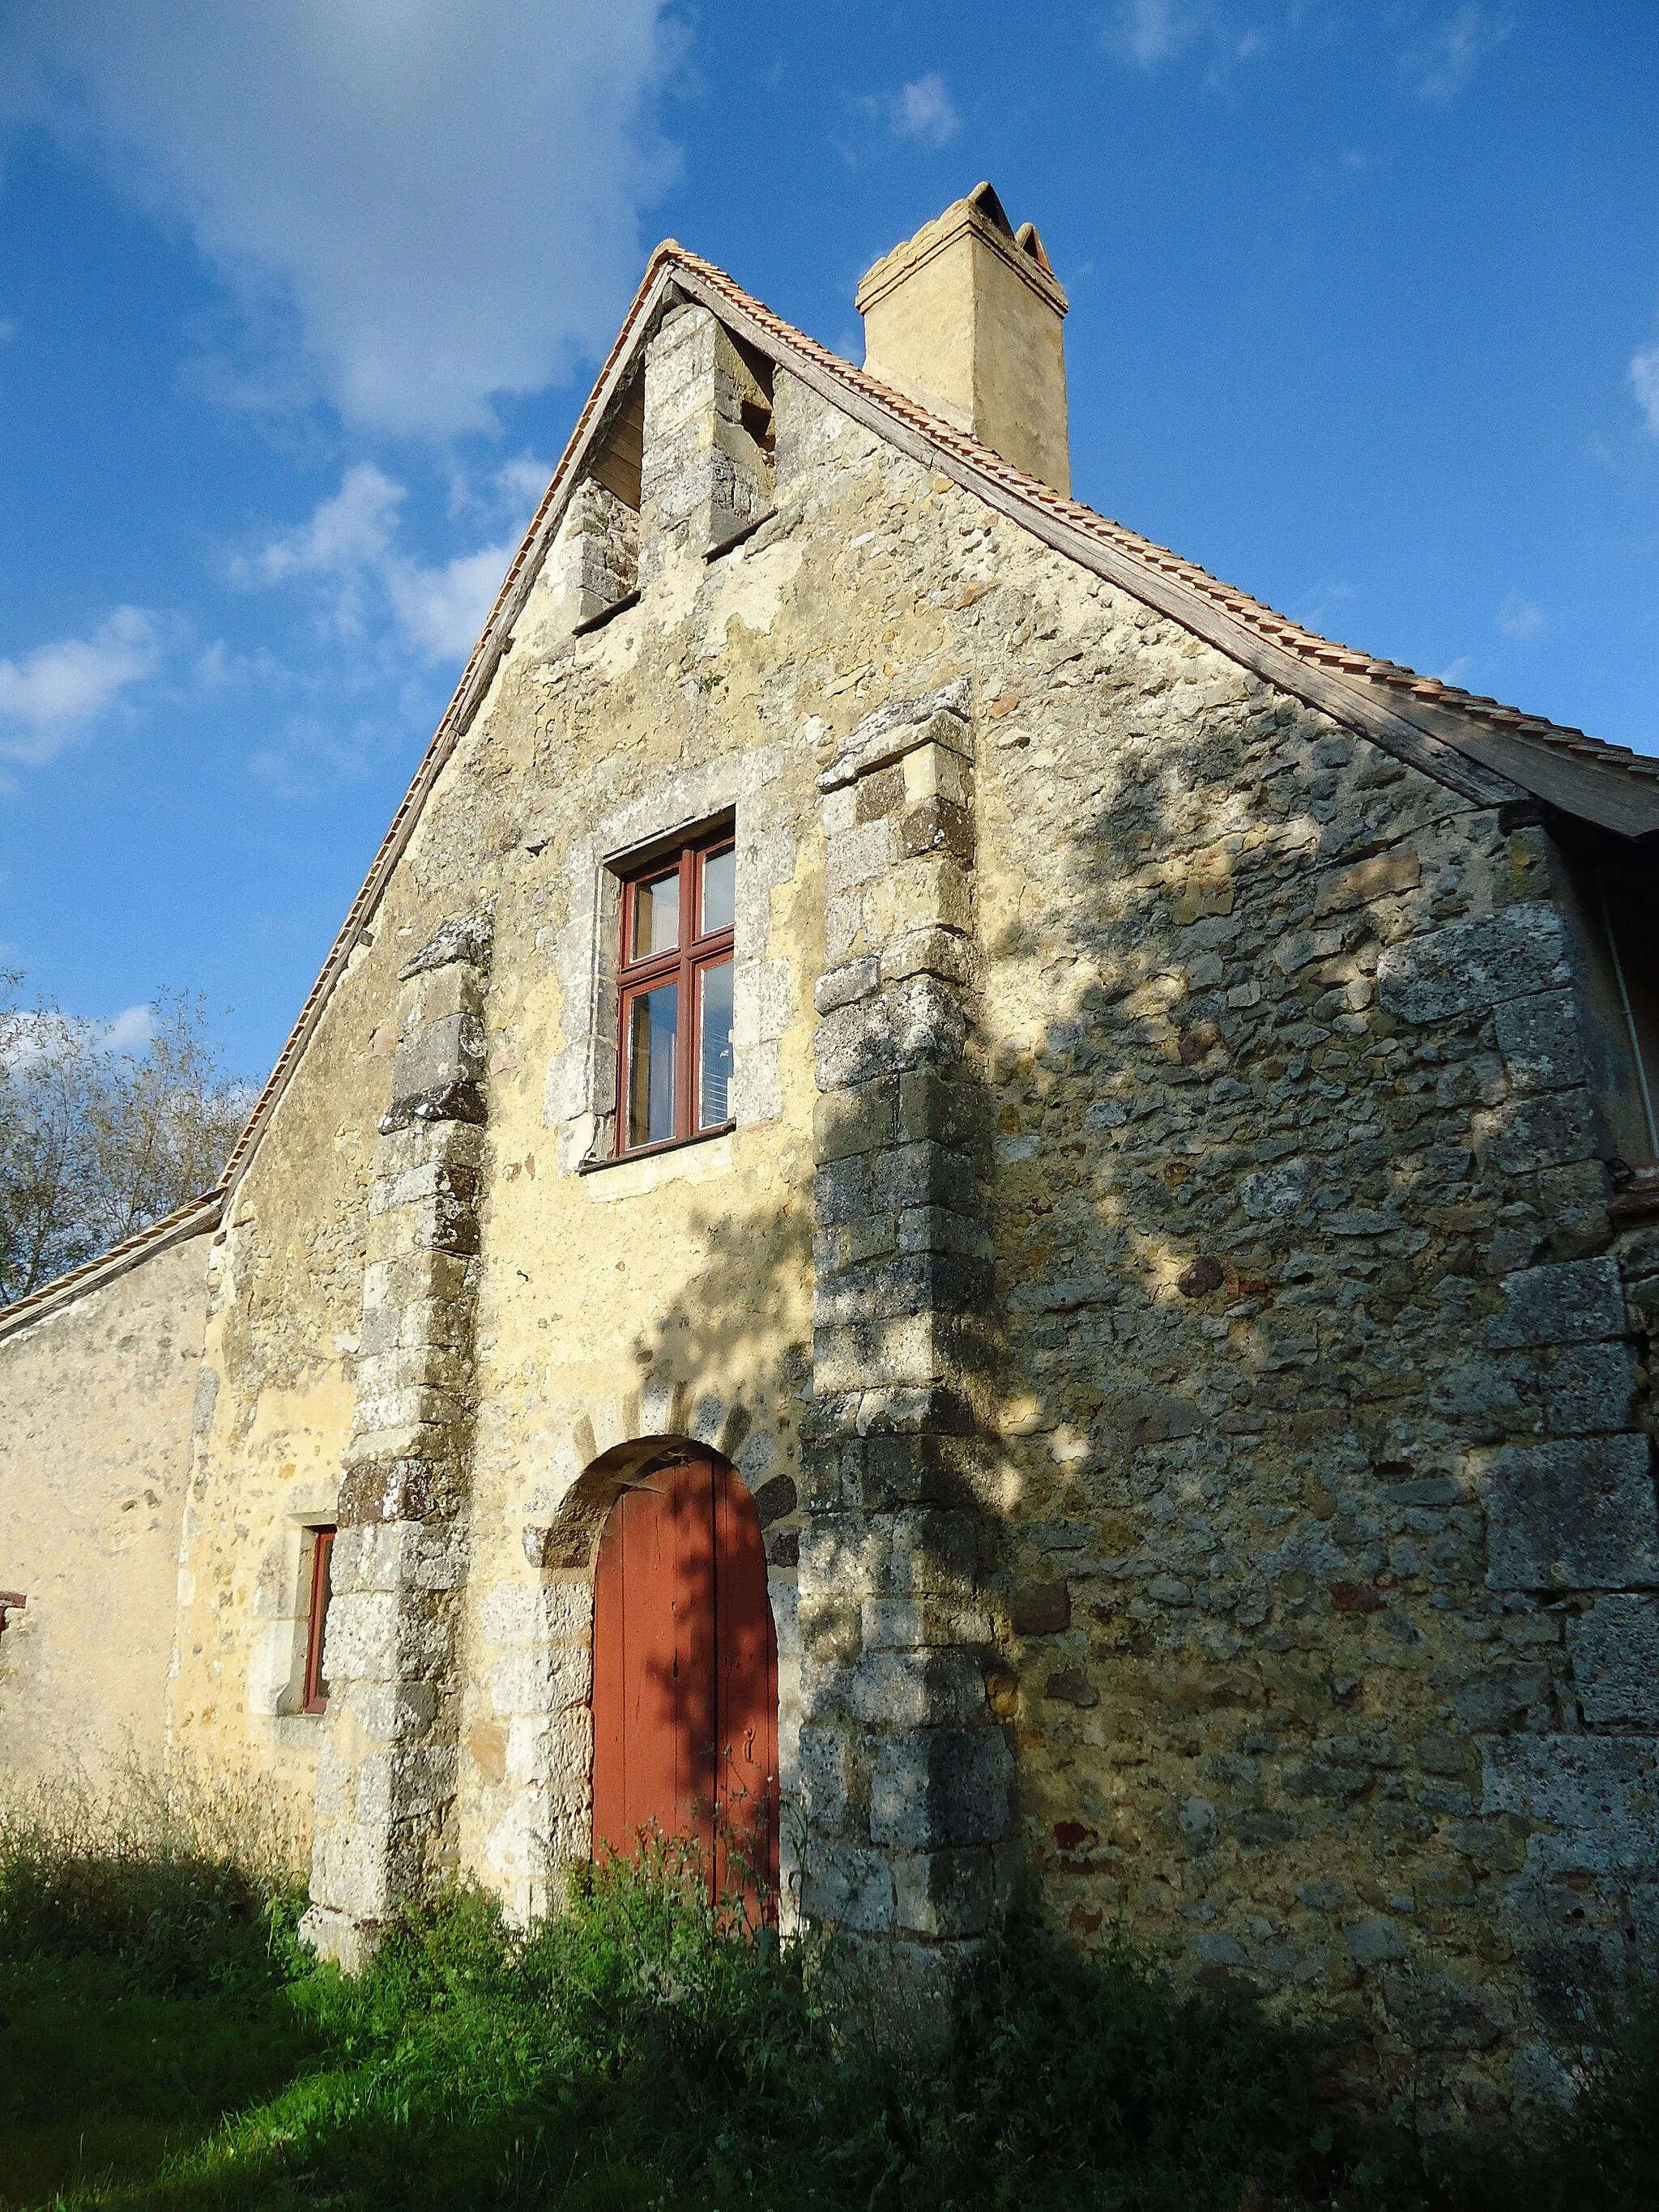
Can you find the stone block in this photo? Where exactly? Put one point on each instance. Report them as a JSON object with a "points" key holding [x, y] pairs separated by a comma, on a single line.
{"points": [[938, 826], [1376, 1942], [469, 937], [924, 1173], [911, 1283], [917, 1021], [911, 1624], [940, 1103], [893, 732], [861, 1118], [888, 1471], [824, 1769], [1040, 1609], [1499, 1698], [1614, 1649], [1385, 877], [930, 952], [1573, 1516], [396, 1490], [399, 1555], [841, 986], [1600, 1793], [937, 1229], [1581, 1303], [945, 1894], [841, 1191], [1469, 966], [1540, 1041], [933, 1554], [442, 1053], [1590, 1388], [847, 1889], [858, 855], [910, 1691], [938, 1787], [1438, 2012], [541, 1681], [1529, 1133], [393, 1713]]}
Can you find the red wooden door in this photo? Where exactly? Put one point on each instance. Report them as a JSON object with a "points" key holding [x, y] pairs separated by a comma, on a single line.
{"points": [[685, 1677]]}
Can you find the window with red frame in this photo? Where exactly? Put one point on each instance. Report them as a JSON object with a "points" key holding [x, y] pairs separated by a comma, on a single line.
{"points": [[322, 1560], [675, 987]]}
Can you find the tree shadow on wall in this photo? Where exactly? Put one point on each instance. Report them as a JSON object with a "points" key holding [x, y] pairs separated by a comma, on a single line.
{"points": [[1245, 1233]]}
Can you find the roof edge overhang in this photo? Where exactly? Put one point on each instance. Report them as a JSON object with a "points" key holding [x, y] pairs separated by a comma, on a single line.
{"points": [[194, 1219]]}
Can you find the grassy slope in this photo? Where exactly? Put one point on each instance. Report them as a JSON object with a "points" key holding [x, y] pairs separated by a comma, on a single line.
{"points": [[164, 2042]]}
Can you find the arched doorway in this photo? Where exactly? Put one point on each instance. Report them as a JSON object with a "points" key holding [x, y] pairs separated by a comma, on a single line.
{"points": [[685, 1675]]}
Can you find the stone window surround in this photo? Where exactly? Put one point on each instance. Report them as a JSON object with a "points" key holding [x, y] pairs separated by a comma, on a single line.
{"points": [[579, 1101], [291, 1725]]}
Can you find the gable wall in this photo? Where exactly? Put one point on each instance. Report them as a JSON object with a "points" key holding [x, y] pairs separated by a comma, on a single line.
{"points": [[1271, 1692]]}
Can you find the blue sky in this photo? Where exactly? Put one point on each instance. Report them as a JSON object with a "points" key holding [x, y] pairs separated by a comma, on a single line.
{"points": [[299, 299]]}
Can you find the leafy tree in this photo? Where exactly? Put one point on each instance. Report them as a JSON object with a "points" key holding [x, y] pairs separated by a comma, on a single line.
{"points": [[98, 1140]]}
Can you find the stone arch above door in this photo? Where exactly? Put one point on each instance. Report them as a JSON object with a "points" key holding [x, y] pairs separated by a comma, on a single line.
{"points": [[530, 1732]]}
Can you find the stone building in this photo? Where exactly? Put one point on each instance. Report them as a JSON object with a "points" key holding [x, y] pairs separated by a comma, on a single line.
{"points": [[1135, 1180]]}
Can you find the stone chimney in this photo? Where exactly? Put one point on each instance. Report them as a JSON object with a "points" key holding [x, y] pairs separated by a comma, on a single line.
{"points": [[965, 318]]}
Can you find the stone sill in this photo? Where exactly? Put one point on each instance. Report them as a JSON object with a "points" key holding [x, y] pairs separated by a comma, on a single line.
{"points": [[692, 1159]]}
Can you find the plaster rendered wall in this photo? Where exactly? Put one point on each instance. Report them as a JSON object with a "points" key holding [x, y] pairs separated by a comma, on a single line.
{"points": [[277, 1391], [94, 1451]]}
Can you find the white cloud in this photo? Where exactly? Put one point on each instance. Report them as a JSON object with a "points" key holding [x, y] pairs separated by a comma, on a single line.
{"points": [[131, 1030], [8, 329], [921, 112], [1152, 31], [348, 550], [441, 611], [28, 1037], [57, 691], [924, 111], [351, 530], [1519, 619], [1644, 383], [1443, 65], [437, 202]]}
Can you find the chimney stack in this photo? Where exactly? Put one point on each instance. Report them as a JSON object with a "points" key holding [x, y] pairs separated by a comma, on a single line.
{"points": [[964, 318]]}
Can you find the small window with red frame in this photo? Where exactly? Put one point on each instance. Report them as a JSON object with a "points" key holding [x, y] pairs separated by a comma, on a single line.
{"points": [[674, 1080], [316, 1681]]}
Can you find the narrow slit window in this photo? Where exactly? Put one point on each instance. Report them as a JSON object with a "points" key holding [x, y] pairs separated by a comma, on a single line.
{"points": [[322, 1561], [678, 920]]}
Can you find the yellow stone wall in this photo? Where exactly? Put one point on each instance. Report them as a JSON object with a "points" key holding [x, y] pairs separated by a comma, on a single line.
{"points": [[94, 1445]]}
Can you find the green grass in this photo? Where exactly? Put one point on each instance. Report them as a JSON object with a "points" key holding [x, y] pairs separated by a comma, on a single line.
{"points": [[164, 2041]]}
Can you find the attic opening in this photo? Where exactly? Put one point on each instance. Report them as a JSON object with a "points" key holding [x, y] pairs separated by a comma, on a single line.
{"points": [[616, 458], [1613, 900]]}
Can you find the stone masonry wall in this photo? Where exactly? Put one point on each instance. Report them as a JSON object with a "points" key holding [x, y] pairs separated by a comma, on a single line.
{"points": [[386, 1774], [1329, 1391], [905, 1767]]}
